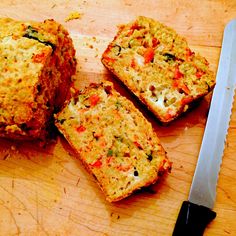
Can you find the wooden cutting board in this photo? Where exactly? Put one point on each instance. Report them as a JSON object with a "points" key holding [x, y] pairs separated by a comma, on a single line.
{"points": [[46, 191]]}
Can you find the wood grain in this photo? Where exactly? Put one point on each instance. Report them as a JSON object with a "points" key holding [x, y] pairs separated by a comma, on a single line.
{"points": [[46, 191]]}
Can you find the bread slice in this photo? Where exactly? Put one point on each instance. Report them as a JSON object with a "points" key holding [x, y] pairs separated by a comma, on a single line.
{"points": [[157, 65], [113, 139], [36, 64]]}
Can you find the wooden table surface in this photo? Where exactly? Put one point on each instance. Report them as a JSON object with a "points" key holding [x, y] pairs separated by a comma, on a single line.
{"points": [[46, 191]]}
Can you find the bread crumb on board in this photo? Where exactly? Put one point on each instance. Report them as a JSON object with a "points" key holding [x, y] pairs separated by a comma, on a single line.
{"points": [[73, 16]]}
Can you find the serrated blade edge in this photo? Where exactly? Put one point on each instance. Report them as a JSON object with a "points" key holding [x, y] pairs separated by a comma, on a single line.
{"points": [[203, 188]]}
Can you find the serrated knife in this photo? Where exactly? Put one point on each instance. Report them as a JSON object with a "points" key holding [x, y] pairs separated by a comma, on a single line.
{"points": [[196, 213]]}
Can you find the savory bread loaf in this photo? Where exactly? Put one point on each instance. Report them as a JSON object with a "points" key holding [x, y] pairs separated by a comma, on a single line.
{"points": [[113, 139], [157, 65], [37, 61]]}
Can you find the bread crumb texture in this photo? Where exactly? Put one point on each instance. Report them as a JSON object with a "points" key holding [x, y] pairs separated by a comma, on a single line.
{"points": [[37, 61], [73, 16], [113, 139], [158, 66]]}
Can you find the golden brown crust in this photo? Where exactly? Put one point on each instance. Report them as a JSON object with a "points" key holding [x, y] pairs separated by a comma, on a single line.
{"points": [[157, 65], [113, 139], [37, 62]]}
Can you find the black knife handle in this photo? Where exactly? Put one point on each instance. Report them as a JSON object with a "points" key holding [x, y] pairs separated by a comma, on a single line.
{"points": [[192, 220]]}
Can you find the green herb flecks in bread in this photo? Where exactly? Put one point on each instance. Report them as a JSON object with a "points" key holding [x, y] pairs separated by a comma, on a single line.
{"points": [[157, 65], [37, 60], [113, 139]]}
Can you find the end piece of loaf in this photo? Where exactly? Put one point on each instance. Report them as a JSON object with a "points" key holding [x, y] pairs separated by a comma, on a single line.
{"points": [[157, 65], [37, 62], [113, 139]]}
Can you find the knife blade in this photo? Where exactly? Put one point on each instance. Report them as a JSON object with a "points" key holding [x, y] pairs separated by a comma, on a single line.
{"points": [[196, 213]]}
